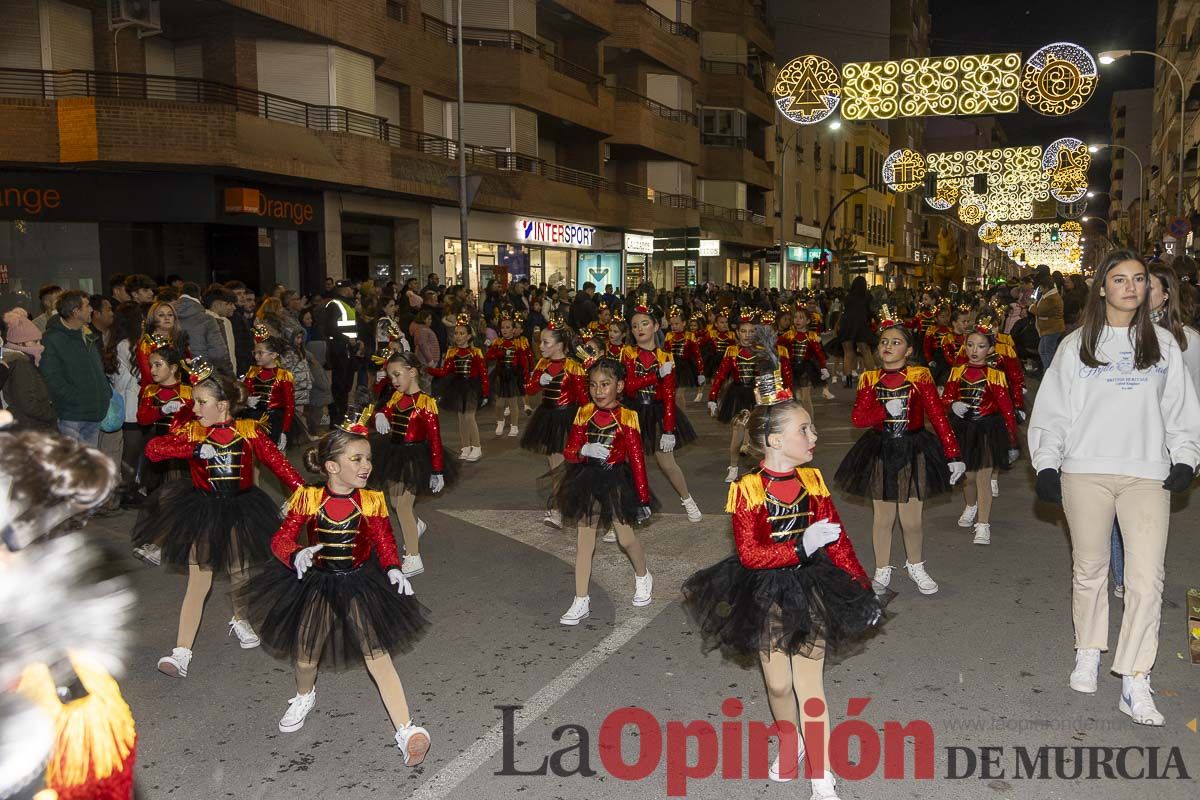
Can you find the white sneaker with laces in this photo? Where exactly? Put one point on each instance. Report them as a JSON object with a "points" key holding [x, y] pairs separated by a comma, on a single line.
{"points": [[882, 579], [611, 536], [983, 533], [500, 427], [925, 584], [579, 611], [828, 395], [699, 398], [149, 553], [642, 586], [176, 664], [731, 475], [513, 431], [1137, 700], [693, 510], [473, 454], [553, 519], [823, 788], [790, 774], [995, 488], [421, 527], [414, 742], [1087, 664], [968, 516], [247, 638], [298, 708], [411, 565], [462, 454]]}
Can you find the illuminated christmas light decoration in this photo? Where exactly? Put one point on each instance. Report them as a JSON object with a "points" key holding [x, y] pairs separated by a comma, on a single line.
{"points": [[1067, 162], [904, 170], [971, 206], [946, 196], [807, 89], [1058, 79], [989, 233]]}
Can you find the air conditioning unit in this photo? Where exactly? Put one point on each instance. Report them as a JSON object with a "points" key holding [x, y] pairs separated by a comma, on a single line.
{"points": [[142, 14]]}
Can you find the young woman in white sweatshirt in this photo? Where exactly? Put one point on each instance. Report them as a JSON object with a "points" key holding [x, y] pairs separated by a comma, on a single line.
{"points": [[1114, 430]]}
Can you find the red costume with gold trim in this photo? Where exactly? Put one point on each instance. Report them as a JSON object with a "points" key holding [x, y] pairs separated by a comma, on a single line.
{"points": [[988, 431], [599, 492], [411, 452], [512, 361], [685, 349], [652, 396], [275, 388], [566, 390], [141, 356], [805, 355], [739, 366], [154, 396], [466, 379]]}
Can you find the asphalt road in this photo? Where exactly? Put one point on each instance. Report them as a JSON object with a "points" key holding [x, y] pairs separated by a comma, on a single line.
{"points": [[984, 662]]}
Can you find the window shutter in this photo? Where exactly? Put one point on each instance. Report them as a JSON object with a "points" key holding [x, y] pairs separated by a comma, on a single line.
{"points": [[69, 36], [20, 35], [352, 80]]}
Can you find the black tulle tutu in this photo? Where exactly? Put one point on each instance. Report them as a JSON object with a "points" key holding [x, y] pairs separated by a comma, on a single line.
{"points": [[806, 373], [408, 463], [798, 611], [331, 617], [983, 441], [894, 469], [506, 381], [685, 374], [650, 420], [547, 430], [712, 360], [596, 494], [216, 531], [735, 398], [459, 394]]}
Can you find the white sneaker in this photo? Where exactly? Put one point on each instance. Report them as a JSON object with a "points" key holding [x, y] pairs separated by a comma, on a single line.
{"points": [[611, 536], [693, 510], [968, 516], [642, 585], [995, 488], [1087, 664], [983, 533], [298, 708], [553, 519], [822, 788], [462, 454], [925, 584], [500, 426], [699, 398], [247, 638], [176, 664], [785, 775], [1137, 700], [473, 454], [413, 741], [149, 553], [421, 527], [882, 579], [513, 432], [828, 395], [411, 565], [731, 475], [579, 611]]}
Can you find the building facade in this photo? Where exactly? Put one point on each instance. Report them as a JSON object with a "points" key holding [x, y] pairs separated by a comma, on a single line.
{"points": [[1130, 121]]}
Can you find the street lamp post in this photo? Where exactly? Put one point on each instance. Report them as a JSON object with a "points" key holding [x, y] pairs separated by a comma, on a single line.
{"points": [[1110, 56], [781, 148], [1141, 223]]}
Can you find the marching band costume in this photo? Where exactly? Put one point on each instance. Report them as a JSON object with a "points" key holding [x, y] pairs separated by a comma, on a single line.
{"points": [[600, 492], [411, 452], [465, 379], [275, 408], [685, 350], [739, 367], [988, 430], [652, 397], [562, 395], [513, 361]]}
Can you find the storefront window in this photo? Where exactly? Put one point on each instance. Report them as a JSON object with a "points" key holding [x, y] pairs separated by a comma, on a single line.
{"points": [[635, 270], [37, 253], [600, 269]]}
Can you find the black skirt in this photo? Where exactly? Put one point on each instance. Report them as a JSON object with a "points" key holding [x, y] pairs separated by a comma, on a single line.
{"points": [[806, 373], [685, 374], [983, 441], [459, 394], [798, 610], [547, 430], [650, 420], [408, 463], [712, 360], [735, 398], [506, 381], [894, 469], [219, 532], [330, 617], [596, 494]]}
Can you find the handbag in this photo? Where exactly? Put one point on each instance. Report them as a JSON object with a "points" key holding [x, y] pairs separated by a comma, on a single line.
{"points": [[114, 420]]}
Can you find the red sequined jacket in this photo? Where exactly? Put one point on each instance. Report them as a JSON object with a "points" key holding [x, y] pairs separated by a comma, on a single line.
{"points": [[798, 351], [921, 400], [309, 504], [141, 355], [1004, 359], [757, 548], [739, 363], [414, 418], [464, 362], [512, 352], [568, 385], [684, 346], [153, 397], [923, 321], [643, 384], [933, 339], [617, 429], [239, 443], [276, 389], [985, 391]]}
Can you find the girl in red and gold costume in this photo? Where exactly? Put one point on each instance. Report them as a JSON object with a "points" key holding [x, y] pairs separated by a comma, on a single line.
{"points": [[795, 589], [561, 381], [604, 483], [618, 333], [464, 389], [334, 593], [650, 392], [897, 463], [982, 418], [699, 332], [222, 522], [161, 326], [931, 338], [804, 352], [513, 362], [407, 454], [685, 350], [952, 343], [720, 339], [270, 389]]}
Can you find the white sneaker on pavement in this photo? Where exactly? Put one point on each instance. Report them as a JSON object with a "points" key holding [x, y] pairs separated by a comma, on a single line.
{"points": [[247, 638], [968, 516], [149, 553], [553, 519], [699, 398], [731, 475], [462, 454], [882, 579], [513, 431], [995, 488], [823, 788], [925, 584], [1087, 664], [579, 611], [611, 536], [828, 395], [693, 510], [414, 742], [176, 664], [298, 708], [1137, 700], [411, 565], [642, 586], [473, 454], [500, 427], [983, 533], [790, 774]]}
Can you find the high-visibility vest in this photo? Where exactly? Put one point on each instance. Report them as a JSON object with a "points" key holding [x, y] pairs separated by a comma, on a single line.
{"points": [[346, 324]]}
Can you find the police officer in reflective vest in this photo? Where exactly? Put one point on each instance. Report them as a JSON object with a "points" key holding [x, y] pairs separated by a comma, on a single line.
{"points": [[340, 327]]}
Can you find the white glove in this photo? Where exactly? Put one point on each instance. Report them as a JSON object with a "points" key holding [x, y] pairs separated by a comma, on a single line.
{"points": [[819, 534], [895, 407], [207, 451], [594, 450], [1013, 455], [824, 374], [436, 483], [304, 560], [483, 402], [1021, 416], [666, 368], [957, 470], [253, 401], [960, 408], [397, 579], [171, 407], [545, 379], [666, 442], [712, 408], [380, 375], [282, 442], [643, 514], [382, 425], [700, 380]]}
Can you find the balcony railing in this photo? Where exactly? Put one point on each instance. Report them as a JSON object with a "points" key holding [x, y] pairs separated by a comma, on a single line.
{"points": [[723, 140], [666, 112], [723, 67], [665, 23]]}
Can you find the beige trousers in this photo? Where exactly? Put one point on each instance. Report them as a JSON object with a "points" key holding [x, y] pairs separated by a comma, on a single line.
{"points": [[1143, 508]]}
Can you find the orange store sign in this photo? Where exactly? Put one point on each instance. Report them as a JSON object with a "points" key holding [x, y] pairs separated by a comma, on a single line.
{"points": [[255, 201], [31, 201]]}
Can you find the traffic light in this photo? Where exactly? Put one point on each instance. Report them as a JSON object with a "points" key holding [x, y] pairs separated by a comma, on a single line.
{"points": [[930, 185], [979, 184], [1054, 234]]}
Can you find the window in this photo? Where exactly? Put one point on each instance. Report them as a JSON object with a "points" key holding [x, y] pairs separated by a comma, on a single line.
{"points": [[845, 157], [723, 122], [859, 168], [858, 218]]}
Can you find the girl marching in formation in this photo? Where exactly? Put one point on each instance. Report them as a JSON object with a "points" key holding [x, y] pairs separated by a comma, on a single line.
{"points": [[699, 332], [407, 453], [897, 463], [464, 388], [513, 361], [270, 389], [335, 593], [805, 353], [795, 589], [685, 351]]}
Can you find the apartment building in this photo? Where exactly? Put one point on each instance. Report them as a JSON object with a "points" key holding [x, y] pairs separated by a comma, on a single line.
{"points": [[607, 140], [1130, 121]]}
